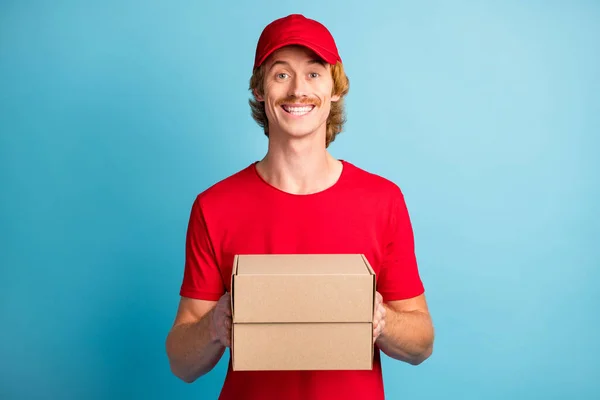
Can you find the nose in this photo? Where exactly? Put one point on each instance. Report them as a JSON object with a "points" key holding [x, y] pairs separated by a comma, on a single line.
{"points": [[298, 87]]}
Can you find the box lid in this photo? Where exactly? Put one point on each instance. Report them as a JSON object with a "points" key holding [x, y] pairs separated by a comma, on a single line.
{"points": [[302, 288]]}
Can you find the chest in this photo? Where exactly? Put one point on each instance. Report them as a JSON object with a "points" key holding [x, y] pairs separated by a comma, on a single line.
{"points": [[303, 229]]}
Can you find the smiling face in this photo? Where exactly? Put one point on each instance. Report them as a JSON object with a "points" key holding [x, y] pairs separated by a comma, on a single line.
{"points": [[297, 92]]}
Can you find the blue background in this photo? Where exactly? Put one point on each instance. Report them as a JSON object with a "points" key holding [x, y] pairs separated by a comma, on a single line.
{"points": [[114, 115]]}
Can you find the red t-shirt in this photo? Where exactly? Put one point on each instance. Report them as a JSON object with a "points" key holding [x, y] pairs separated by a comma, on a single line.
{"points": [[243, 214]]}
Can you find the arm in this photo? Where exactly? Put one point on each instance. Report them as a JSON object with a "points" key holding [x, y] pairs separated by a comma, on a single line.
{"points": [[201, 331], [198, 337], [407, 331]]}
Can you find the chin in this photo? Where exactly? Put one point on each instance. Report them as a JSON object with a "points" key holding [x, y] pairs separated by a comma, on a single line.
{"points": [[299, 132]]}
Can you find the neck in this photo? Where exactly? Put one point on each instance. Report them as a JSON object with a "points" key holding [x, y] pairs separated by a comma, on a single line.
{"points": [[299, 165]]}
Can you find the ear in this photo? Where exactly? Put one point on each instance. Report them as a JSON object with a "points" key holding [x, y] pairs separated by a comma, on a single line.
{"points": [[257, 95], [335, 97]]}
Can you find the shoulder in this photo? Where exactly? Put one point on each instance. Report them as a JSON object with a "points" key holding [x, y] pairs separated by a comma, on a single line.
{"points": [[371, 182], [383, 195], [228, 190]]}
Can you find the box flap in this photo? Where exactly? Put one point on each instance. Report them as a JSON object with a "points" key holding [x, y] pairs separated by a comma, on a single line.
{"points": [[302, 288], [233, 274], [305, 264]]}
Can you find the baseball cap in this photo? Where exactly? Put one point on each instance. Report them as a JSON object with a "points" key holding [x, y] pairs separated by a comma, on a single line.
{"points": [[299, 30]]}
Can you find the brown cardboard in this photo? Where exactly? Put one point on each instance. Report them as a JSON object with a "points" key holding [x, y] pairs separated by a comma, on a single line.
{"points": [[302, 312]]}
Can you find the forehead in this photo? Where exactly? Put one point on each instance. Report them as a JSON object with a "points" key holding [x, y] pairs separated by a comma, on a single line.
{"points": [[293, 55]]}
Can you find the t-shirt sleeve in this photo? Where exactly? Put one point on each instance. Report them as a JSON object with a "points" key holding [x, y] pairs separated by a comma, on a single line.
{"points": [[399, 276], [202, 277]]}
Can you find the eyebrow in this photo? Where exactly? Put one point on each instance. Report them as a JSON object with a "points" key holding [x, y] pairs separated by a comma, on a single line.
{"points": [[285, 63], [317, 61]]}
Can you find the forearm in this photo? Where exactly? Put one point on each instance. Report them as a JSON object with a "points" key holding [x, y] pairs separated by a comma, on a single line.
{"points": [[408, 336], [193, 349]]}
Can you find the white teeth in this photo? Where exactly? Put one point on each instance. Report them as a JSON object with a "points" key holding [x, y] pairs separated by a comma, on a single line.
{"points": [[298, 110]]}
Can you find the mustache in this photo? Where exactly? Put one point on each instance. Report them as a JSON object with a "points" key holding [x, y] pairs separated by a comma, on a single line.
{"points": [[298, 100]]}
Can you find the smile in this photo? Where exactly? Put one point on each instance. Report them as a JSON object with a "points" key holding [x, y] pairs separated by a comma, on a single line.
{"points": [[298, 110]]}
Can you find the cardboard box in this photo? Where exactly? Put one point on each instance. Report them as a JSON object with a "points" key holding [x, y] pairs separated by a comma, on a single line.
{"points": [[302, 312]]}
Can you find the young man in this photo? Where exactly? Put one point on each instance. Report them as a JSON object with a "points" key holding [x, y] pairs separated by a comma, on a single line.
{"points": [[298, 199]]}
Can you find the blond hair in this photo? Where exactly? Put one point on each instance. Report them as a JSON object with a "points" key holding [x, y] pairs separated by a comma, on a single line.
{"points": [[337, 115]]}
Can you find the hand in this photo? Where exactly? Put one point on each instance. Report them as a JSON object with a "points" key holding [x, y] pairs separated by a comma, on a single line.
{"points": [[378, 317], [221, 321]]}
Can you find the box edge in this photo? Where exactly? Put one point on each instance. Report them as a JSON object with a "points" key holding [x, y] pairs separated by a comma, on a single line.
{"points": [[372, 273], [234, 268]]}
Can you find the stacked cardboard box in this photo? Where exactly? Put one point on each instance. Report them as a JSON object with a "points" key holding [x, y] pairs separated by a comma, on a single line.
{"points": [[302, 312]]}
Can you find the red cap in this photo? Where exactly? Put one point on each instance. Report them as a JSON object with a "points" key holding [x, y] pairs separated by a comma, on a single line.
{"points": [[296, 29]]}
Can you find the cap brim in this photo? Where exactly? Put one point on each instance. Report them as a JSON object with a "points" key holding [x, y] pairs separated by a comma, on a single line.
{"points": [[324, 54]]}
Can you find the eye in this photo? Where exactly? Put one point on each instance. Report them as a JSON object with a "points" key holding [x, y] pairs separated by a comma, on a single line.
{"points": [[314, 74], [281, 75]]}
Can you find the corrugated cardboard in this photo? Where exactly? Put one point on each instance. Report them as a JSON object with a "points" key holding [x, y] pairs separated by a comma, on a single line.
{"points": [[302, 312]]}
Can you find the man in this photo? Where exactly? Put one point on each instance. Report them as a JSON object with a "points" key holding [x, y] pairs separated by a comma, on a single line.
{"points": [[298, 199]]}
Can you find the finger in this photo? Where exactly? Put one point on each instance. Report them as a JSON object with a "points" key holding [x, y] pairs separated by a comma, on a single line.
{"points": [[377, 330], [228, 337], [377, 313], [226, 325], [225, 336], [376, 334]]}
